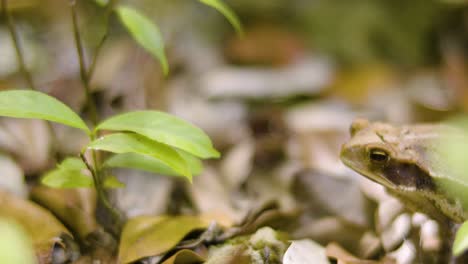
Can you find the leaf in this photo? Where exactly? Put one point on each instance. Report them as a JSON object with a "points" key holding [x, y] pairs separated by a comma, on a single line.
{"points": [[146, 236], [145, 32], [72, 164], [184, 256], [139, 162], [134, 143], [41, 225], [461, 240], [193, 162], [164, 128], [68, 174], [33, 104], [74, 207], [111, 182], [150, 164], [60, 178], [227, 12]]}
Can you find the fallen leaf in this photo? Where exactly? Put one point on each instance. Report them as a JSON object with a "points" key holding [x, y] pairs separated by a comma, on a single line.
{"points": [[146, 236], [75, 207], [184, 256], [40, 225]]}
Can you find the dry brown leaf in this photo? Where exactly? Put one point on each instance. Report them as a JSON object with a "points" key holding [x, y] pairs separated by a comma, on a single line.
{"points": [[146, 236]]}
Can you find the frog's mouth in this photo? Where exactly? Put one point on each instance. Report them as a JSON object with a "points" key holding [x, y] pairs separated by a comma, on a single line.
{"points": [[375, 178]]}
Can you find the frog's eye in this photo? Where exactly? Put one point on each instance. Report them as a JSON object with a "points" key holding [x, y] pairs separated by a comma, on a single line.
{"points": [[378, 155]]}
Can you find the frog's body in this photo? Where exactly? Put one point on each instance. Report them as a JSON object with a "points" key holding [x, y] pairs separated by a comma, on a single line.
{"points": [[407, 162]]}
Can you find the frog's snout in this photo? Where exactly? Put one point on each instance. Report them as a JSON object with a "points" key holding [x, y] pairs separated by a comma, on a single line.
{"points": [[352, 156], [346, 154]]}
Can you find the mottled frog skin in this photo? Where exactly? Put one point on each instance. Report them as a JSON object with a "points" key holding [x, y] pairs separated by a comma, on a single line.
{"points": [[407, 161]]}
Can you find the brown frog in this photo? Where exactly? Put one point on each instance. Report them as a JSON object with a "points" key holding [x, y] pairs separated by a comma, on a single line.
{"points": [[407, 162]]}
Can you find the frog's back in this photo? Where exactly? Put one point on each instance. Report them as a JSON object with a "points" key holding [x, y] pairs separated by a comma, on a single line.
{"points": [[424, 144]]}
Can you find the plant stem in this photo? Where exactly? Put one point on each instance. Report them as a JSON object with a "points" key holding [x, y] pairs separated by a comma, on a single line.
{"points": [[93, 115], [116, 217], [24, 70], [108, 13], [16, 43]]}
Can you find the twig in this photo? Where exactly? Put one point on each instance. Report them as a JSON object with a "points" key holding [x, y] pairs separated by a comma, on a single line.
{"points": [[83, 73]]}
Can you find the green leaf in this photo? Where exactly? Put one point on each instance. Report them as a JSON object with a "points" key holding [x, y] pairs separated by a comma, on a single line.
{"points": [[145, 32], [461, 240], [112, 182], [62, 178], [193, 162], [68, 174], [72, 164], [140, 162], [150, 164], [32, 104], [227, 12], [164, 128], [134, 143]]}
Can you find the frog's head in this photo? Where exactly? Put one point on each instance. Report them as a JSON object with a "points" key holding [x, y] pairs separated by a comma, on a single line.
{"points": [[374, 151]]}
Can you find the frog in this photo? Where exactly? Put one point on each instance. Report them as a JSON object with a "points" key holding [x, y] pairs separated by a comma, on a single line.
{"points": [[406, 160]]}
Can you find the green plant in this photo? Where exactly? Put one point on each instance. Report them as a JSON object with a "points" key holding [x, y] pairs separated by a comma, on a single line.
{"points": [[147, 140]]}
